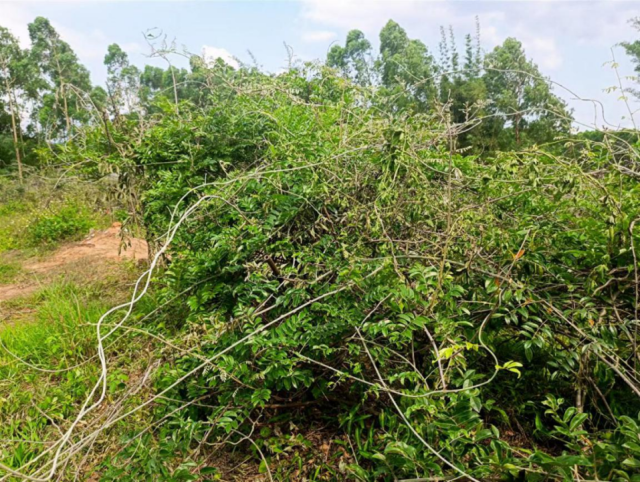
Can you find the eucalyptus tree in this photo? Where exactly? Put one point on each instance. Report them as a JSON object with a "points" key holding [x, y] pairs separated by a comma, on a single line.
{"points": [[633, 50], [170, 84], [13, 85], [123, 81], [461, 87], [66, 81], [522, 99], [354, 59], [406, 68]]}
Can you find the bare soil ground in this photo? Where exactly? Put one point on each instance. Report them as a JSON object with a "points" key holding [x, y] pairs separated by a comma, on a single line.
{"points": [[93, 255]]}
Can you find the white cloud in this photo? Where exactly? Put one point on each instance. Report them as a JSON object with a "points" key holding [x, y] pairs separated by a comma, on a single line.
{"points": [[210, 54], [371, 16], [318, 36], [596, 22], [544, 51], [89, 46], [16, 18]]}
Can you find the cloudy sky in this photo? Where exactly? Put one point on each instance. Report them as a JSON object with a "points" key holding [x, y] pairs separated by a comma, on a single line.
{"points": [[571, 41]]}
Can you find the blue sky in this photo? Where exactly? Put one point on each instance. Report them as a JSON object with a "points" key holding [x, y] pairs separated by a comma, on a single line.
{"points": [[570, 40]]}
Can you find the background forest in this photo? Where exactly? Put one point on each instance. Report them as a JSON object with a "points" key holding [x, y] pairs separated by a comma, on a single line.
{"points": [[404, 265], [48, 95]]}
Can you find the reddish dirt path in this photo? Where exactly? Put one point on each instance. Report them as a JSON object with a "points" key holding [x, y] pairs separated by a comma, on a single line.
{"points": [[94, 253], [97, 247]]}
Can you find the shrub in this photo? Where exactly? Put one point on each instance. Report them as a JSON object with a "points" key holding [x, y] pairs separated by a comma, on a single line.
{"points": [[439, 314], [60, 223]]}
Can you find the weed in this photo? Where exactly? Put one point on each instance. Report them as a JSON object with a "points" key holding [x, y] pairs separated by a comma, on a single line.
{"points": [[9, 272], [66, 222], [56, 340]]}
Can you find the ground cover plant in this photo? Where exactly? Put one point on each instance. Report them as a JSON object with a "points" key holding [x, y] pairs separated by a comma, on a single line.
{"points": [[45, 368], [42, 213], [355, 279]]}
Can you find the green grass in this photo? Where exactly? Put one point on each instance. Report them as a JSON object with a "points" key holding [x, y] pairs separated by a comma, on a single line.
{"points": [[53, 337], [12, 224], [9, 272], [48, 350], [41, 215], [56, 331], [64, 222]]}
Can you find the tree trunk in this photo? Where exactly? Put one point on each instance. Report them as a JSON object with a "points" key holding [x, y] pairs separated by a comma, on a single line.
{"points": [[62, 93], [66, 110], [14, 129]]}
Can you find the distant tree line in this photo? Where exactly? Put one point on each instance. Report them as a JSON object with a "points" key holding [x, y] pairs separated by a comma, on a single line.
{"points": [[503, 89], [500, 99]]}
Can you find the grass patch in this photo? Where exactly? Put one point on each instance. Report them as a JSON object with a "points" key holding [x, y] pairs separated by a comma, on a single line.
{"points": [[48, 363], [65, 222], [48, 350], [9, 272]]}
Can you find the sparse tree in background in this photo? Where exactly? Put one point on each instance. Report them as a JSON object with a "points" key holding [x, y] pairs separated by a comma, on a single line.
{"points": [[462, 89], [12, 80], [172, 84], [512, 103], [66, 79], [505, 91], [406, 68], [123, 81], [521, 99], [633, 50], [354, 59]]}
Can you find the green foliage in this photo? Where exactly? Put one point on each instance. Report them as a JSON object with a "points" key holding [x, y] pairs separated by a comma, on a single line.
{"points": [[342, 254], [353, 58], [446, 298], [407, 69], [122, 83], [633, 50], [60, 223], [522, 97], [16, 84], [503, 98]]}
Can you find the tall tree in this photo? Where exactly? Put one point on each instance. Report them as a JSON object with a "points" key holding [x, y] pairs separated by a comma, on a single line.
{"points": [[123, 81], [354, 58], [406, 66], [67, 79], [633, 50], [12, 83], [473, 54], [171, 84], [521, 97], [461, 87]]}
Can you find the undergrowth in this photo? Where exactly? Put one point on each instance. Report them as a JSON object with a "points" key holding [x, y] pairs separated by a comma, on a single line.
{"points": [[343, 293], [42, 214], [46, 363], [61, 223]]}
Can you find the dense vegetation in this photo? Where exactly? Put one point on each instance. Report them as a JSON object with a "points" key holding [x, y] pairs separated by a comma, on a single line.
{"points": [[375, 268]]}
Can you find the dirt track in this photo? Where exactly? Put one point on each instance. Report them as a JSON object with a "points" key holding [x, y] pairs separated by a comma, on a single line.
{"points": [[94, 252]]}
